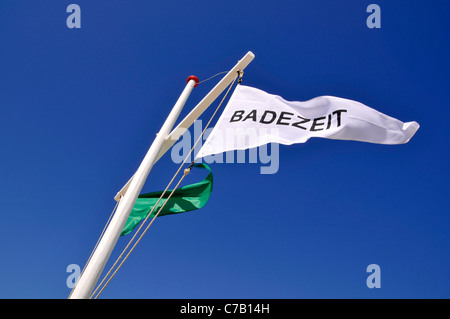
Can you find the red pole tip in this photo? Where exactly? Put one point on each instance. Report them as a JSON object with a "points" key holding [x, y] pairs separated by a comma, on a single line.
{"points": [[193, 77]]}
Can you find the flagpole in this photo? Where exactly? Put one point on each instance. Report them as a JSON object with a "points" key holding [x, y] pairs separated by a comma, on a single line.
{"points": [[86, 283]]}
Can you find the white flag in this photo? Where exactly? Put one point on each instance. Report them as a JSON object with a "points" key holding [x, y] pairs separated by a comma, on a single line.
{"points": [[253, 118]]}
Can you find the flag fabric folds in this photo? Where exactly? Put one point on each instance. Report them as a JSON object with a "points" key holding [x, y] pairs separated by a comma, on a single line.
{"points": [[253, 118], [184, 199]]}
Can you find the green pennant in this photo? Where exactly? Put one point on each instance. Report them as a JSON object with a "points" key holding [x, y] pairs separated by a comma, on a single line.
{"points": [[184, 199]]}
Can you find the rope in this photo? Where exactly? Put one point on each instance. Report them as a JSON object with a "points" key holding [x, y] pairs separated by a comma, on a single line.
{"points": [[146, 229], [96, 244], [186, 171], [137, 231], [213, 76]]}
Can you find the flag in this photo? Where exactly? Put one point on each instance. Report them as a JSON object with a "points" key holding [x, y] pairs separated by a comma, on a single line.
{"points": [[253, 118], [184, 199]]}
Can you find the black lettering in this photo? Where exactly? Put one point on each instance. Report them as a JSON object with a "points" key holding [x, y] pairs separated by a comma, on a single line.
{"points": [[263, 118], [329, 121], [237, 114], [282, 117], [316, 123], [338, 112], [251, 115], [297, 124]]}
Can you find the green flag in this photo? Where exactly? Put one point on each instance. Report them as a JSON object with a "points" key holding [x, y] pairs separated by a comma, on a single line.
{"points": [[184, 199]]}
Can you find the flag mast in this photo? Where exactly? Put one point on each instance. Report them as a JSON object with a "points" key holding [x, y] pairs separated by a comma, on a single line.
{"points": [[198, 110], [94, 268], [129, 193]]}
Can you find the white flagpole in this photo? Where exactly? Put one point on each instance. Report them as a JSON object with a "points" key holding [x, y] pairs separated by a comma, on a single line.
{"points": [[93, 270]]}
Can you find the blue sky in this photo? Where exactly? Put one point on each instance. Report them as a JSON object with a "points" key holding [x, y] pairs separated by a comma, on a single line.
{"points": [[80, 108]]}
